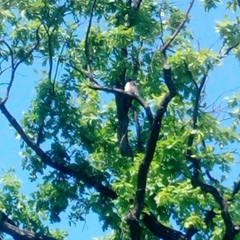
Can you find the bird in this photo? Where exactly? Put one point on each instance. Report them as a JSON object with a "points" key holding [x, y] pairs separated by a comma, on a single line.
{"points": [[131, 87], [124, 103]]}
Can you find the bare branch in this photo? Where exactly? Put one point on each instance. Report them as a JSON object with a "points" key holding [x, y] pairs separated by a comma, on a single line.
{"points": [[179, 28]]}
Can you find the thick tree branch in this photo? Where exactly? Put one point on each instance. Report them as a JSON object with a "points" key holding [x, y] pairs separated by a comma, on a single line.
{"points": [[20, 234], [160, 230], [8, 227], [134, 214], [72, 170]]}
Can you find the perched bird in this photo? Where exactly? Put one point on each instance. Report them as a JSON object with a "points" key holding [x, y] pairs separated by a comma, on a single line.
{"points": [[131, 87], [123, 104]]}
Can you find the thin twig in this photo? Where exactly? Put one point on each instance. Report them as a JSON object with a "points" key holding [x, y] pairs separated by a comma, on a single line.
{"points": [[12, 73], [14, 66], [84, 73]]}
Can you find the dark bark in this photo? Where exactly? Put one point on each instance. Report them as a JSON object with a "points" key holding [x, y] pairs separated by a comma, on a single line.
{"points": [[160, 230], [197, 179], [73, 170], [123, 104], [134, 214], [7, 226]]}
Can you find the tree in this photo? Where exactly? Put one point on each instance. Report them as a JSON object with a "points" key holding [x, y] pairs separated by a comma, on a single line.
{"points": [[147, 164]]}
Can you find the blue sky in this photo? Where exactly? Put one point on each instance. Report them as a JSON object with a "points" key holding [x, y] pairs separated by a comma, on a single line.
{"points": [[225, 77]]}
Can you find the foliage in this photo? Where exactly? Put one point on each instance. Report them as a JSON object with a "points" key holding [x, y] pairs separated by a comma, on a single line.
{"points": [[168, 180]]}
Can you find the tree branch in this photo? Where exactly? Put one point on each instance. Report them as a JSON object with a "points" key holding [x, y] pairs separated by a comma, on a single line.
{"points": [[137, 4], [229, 232], [196, 182], [14, 66], [134, 214], [12, 72], [87, 52], [160, 230], [138, 129], [228, 50], [179, 28], [73, 170], [8, 227], [236, 188], [117, 90]]}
